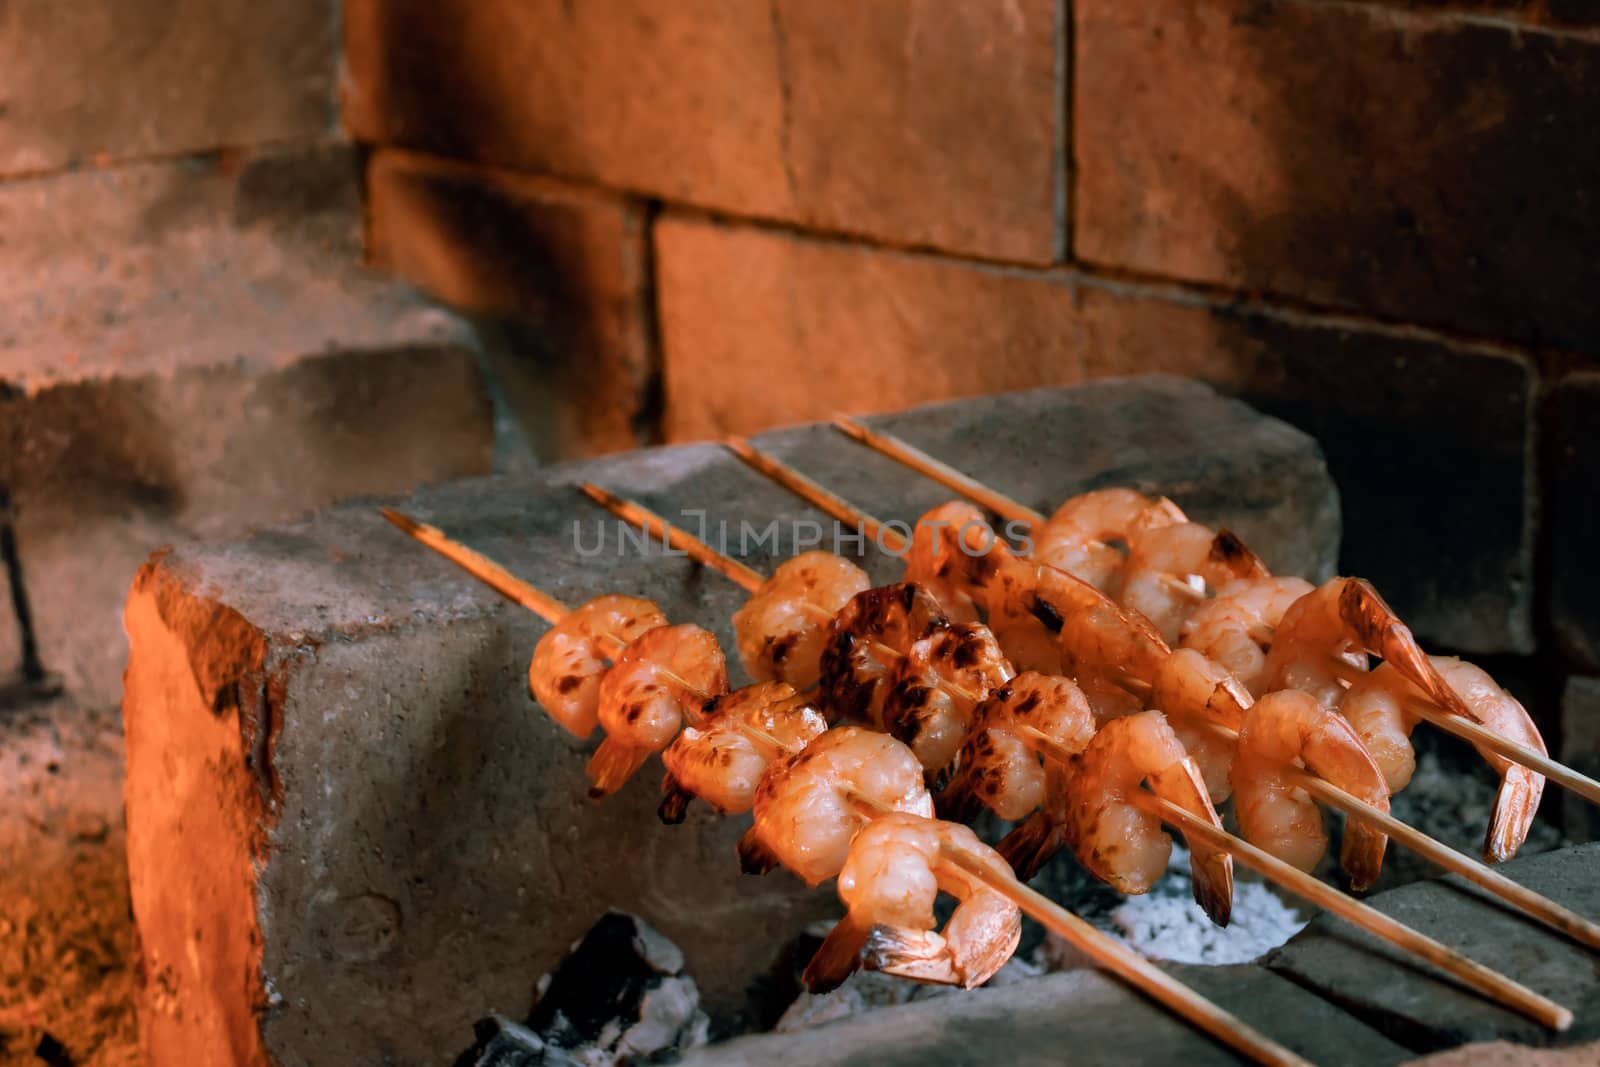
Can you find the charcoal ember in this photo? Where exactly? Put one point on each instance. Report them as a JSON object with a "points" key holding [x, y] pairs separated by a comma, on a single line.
{"points": [[500, 1042], [620, 996]]}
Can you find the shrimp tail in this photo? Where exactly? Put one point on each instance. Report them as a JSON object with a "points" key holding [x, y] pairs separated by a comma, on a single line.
{"points": [[612, 764], [1514, 806], [1233, 554], [674, 800], [958, 801], [920, 955], [1031, 845], [754, 855], [1366, 613], [1211, 868], [838, 956]]}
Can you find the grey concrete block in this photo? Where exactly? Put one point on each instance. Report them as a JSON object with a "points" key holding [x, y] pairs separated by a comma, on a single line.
{"points": [[1409, 1003], [339, 790], [1079, 1017], [190, 351]]}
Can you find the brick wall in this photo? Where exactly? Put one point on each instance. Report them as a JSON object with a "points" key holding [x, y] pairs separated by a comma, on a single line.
{"points": [[1375, 219]]}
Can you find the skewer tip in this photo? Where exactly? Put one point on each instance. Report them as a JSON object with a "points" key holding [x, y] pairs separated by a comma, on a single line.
{"points": [[603, 497], [404, 522]]}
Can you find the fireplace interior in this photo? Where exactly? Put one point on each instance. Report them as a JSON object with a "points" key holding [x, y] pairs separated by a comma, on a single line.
{"points": [[272, 787]]}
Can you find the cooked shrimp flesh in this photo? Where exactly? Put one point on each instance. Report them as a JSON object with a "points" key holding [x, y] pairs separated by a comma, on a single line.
{"points": [[782, 627], [1172, 569], [1376, 706], [896, 868], [939, 541], [658, 682], [1236, 627], [936, 686], [1115, 836], [1003, 765], [722, 758], [1291, 729], [570, 659], [1328, 634], [1088, 535], [804, 815], [865, 643], [1193, 692]]}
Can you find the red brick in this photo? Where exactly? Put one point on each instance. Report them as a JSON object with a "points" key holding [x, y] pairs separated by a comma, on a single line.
{"points": [[1429, 441], [916, 121], [1425, 167], [1572, 516], [89, 80], [566, 260]]}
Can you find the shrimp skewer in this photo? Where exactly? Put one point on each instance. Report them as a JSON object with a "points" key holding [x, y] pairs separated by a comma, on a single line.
{"points": [[1191, 1007], [934, 687], [1265, 602]]}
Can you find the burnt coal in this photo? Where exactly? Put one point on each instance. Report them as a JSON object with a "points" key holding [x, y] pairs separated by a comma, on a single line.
{"points": [[621, 997], [503, 1043]]}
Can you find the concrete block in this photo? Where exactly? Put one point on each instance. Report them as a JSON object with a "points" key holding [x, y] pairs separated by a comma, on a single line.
{"points": [[344, 809]]}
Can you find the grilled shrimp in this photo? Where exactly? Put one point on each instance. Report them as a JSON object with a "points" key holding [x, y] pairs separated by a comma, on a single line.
{"points": [[897, 866], [1193, 691], [804, 817], [865, 642], [935, 563], [570, 659], [1001, 766], [722, 758], [1093, 633], [1094, 809], [1332, 629], [1291, 729], [937, 684], [782, 627], [1195, 558], [657, 682], [1088, 534], [1376, 708], [1236, 627]]}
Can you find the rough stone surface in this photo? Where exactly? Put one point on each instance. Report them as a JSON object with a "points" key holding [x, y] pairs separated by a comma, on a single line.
{"points": [[1429, 441], [190, 351], [919, 122], [1407, 1003], [566, 262], [1223, 462], [1265, 161], [1580, 749], [1573, 510], [404, 834], [1082, 1017], [67, 958], [90, 81]]}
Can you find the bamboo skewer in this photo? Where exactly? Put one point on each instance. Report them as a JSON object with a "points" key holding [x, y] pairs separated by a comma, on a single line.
{"points": [[941, 472], [1539, 907], [1468, 730], [920, 461], [1112, 955], [1490, 983], [481, 567], [674, 536], [890, 539], [1116, 958], [509, 585]]}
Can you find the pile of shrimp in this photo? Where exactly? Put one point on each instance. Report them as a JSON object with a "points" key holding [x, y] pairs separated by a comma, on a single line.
{"points": [[1133, 653]]}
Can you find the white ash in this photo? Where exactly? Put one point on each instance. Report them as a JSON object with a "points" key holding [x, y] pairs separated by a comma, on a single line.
{"points": [[1166, 923]]}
